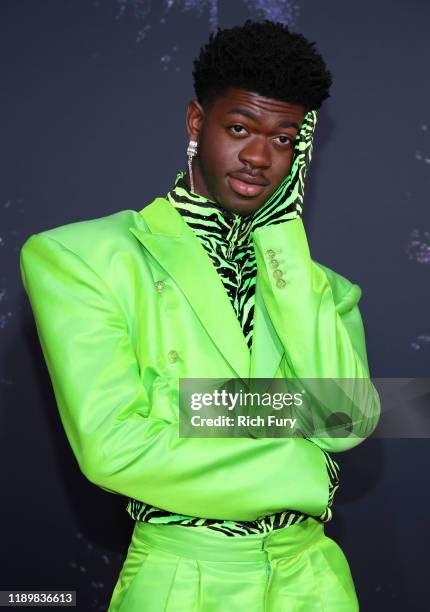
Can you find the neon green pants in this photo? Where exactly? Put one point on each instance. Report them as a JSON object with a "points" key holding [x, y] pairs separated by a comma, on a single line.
{"points": [[172, 568]]}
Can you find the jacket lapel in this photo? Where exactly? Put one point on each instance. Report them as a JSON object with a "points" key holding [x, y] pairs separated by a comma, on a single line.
{"points": [[173, 244]]}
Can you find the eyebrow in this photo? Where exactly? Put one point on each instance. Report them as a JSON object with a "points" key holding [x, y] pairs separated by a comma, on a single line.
{"points": [[286, 123]]}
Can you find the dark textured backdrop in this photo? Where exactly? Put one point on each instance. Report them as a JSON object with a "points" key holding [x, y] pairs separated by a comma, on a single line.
{"points": [[93, 97]]}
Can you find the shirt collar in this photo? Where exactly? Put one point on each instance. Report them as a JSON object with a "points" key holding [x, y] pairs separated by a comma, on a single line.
{"points": [[234, 228]]}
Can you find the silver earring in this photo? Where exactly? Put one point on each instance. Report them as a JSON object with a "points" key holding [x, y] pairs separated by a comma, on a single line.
{"points": [[191, 152]]}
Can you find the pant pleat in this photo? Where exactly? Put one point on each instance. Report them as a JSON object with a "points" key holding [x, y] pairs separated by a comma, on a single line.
{"points": [[194, 569]]}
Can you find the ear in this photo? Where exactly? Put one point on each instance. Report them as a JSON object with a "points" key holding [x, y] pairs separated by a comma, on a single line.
{"points": [[194, 120]]}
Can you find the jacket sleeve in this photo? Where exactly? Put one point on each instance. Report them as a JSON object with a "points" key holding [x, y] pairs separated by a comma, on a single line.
{"points": [[105, 409], [325, 351]]}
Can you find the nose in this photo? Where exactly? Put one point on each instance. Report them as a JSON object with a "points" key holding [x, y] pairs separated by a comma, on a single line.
{"points": [[256, 153]]}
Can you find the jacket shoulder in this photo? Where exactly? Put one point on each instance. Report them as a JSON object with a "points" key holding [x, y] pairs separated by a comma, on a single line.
{"points": [[93, 239], [346, 294], [79, 232]]}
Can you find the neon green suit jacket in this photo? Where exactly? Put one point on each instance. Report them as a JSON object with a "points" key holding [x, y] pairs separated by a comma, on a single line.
{"points": [[127, 304]]}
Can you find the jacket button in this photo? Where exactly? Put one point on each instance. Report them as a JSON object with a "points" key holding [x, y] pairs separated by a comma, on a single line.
{"points": [[173, 356], [160, 286], [277, 273], [270, 253], [280, 283], [274, 263]]}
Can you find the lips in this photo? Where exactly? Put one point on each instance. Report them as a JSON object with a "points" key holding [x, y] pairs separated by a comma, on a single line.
{"points": [[249, 187]]}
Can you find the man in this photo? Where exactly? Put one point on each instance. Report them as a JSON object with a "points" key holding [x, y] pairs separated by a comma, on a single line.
{"points": [[215, 280]]}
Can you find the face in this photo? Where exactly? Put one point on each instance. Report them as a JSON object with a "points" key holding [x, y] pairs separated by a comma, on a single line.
{"points": [[245, 147]]}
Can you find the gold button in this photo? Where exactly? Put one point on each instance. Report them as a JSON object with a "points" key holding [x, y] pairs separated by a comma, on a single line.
{"points": [[160, 286], [274, 263], [277, 273], [270, 253], [280, 283], [173, 356]]}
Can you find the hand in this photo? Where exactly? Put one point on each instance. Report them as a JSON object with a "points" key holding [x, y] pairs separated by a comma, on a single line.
{"points": [[286, 202]]}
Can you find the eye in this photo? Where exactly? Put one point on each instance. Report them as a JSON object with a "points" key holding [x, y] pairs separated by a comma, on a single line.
{"points": [[237, 129], [287, 140]]}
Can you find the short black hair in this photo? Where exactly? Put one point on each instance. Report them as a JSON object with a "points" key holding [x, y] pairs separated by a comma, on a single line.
{"points": [[266, 58]]}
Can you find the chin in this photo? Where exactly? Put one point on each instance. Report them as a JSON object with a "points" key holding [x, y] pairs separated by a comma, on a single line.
{"points": [[234, 206], [246, 213], [243, 207], [248, 206]]}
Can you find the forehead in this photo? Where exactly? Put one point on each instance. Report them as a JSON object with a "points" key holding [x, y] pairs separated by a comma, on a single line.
{"points": [[263, 108]]}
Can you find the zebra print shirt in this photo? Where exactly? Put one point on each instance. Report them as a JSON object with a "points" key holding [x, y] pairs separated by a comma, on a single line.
{"points": [[226, 237]]}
